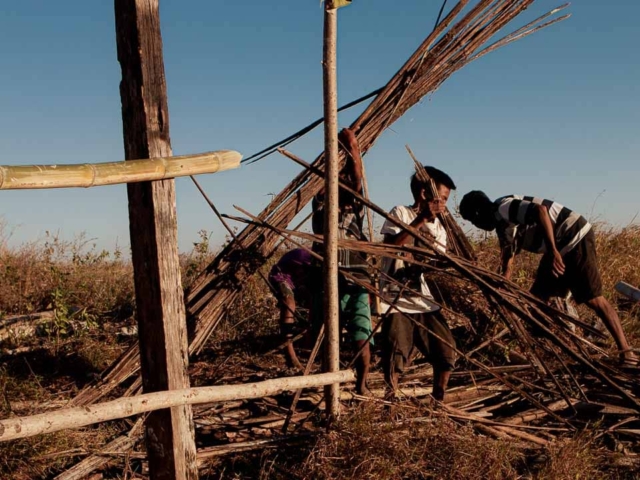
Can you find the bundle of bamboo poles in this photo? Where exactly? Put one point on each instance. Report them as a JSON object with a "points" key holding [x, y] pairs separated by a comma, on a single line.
{"points": [[448, 48]]}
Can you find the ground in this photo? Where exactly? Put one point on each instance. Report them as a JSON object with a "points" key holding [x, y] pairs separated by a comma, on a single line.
{"points": [[89, 295]]}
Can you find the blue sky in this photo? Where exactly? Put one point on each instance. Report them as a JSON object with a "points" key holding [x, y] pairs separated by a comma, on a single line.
{"points": [[553, 115]]}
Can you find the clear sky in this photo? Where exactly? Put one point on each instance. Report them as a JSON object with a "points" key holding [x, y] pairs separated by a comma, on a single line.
{"points": [[553, 115]]}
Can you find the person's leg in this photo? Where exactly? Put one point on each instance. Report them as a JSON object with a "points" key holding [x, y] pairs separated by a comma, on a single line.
{"points": [[609, 317], [287, 305], [363, 364], [440, 382], [441, 346], [286, 328], [397, 343], [545, 284], [586, 286], [356, 314]]}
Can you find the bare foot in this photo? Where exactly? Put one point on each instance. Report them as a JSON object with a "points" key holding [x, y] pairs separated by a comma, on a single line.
{"points": [[629, 359], [292, 358], [294, 363], [364, 391]]}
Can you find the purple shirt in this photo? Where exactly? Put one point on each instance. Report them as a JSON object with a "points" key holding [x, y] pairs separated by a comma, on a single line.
{"points": [[292, 268]]}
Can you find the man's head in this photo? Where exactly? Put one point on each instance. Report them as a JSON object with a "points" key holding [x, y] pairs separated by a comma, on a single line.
{"points": [[444, 185], [478, 209]]}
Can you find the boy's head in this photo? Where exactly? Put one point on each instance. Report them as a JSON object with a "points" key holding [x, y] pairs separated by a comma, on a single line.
{"points": [[478, 209], [444, 185]]}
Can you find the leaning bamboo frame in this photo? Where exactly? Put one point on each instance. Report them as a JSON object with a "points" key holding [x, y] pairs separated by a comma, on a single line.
{"points": [[22, 427], [86, 175]]}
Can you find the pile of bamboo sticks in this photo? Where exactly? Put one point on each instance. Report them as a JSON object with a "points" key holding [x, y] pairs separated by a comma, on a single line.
{"points": [[476, 397], [543, 334]]}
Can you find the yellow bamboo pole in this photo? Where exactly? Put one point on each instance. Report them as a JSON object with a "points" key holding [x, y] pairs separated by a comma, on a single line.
{"points": [[21, 177]]}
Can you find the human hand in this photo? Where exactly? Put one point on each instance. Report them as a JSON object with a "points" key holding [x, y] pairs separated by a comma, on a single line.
{"points": [[348, 137], [432, 208], [557, 265]]}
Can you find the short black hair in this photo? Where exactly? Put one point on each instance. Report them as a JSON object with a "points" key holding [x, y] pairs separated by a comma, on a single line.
{"points": [[438, 176], [472, 203]]}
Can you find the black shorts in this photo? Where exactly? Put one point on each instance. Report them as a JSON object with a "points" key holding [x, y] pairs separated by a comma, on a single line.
{"points": [[581, 275], [402, 335]]}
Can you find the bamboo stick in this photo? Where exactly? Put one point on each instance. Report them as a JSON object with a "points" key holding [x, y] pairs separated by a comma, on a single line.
{"points": [[120, 445], [211, 452], [87, 175], [307, 371], [22, 427]]}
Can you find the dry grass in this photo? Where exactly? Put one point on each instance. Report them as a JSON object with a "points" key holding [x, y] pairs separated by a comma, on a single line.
{"points": [[417, 443], [366, 443], [618, 260], [39, 275]]}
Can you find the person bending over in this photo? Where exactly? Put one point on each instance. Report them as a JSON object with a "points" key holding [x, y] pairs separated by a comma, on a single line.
{"points": [[567, 244], [290, 279]]}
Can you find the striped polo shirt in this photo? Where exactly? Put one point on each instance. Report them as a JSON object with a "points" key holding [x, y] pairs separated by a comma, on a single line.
{"points": [[518, 227]]}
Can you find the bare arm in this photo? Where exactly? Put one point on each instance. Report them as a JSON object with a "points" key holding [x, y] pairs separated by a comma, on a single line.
{"points": [[287, 309], [506, 267], [549, 238], [404, 236], [354, 159]]}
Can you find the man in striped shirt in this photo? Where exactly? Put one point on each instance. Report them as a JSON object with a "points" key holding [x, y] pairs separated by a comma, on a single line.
{"points": [[567, 243]]}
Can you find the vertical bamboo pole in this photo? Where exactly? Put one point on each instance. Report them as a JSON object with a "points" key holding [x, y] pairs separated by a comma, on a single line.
{"points": [[153, 228], [330, 269]]}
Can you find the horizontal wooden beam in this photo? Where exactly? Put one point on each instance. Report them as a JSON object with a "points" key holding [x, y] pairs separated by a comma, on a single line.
{"points": [[21, 177], [22, 427]]}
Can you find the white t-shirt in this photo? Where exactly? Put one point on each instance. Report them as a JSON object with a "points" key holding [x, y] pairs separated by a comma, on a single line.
{"points": [[408, 303]]}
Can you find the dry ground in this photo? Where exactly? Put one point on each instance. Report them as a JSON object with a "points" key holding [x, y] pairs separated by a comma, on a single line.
{"points": [[91, 295]]}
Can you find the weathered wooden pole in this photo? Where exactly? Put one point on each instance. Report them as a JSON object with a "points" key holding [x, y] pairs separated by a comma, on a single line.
{"points": [[49, 422], [330, 269], [154, 247]]}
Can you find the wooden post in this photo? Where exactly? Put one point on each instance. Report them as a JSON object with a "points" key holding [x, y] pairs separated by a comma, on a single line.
{"points": [[154, 247], [330, 269]]}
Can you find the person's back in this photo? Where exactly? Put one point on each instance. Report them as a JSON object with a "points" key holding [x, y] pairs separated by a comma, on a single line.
{"points": [[355, 310], [519, 227]]}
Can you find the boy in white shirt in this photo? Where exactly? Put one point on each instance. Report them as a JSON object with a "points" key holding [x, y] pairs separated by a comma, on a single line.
{"points": [[401, 334]]}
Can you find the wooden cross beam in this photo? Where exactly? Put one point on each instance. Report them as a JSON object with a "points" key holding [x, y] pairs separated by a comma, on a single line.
{"points": [[26, 177]]}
